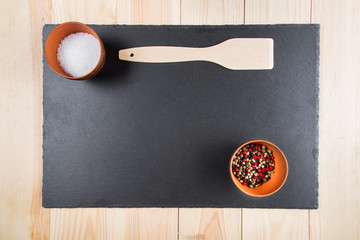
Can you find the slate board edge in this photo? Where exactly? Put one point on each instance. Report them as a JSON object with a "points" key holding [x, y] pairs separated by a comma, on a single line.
{"points": [[316, 153], [166, 206], [247, 26]]}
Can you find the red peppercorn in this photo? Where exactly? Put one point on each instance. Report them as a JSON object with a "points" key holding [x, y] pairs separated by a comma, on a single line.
{"points": [[237, 175], [243, 152], [264, 158], [271, 168], [255, 176], [262, 154], [244, 183], [246, 169], [250, 149], [258, 180], [244, 160], [236, 169], [259, 170], [267, 169]]}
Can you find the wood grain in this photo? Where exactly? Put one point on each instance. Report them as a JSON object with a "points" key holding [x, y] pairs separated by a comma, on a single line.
{"points": [[276, 223], [86, 11], [207, 223], [151, 223], [87, 223], [277, 11], [114, 223], [339, 192], [21, 214], [40, 13], [212, 12], [148, 12]]}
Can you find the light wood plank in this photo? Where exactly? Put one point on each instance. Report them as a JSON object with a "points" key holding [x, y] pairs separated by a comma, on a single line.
{"points": [[212, 12], [115, 223], [151, 223], [86, 11], [277, 11], [41, 13], [148, 12], [339, 192], [87, 223], [21, 214], [208, 223], [276, 223]]}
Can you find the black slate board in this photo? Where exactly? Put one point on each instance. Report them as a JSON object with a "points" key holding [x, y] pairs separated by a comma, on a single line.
{"points": [[161, 135]]}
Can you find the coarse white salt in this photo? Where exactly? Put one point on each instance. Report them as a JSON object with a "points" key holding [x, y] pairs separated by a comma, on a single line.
{"points": [[78, 54]]}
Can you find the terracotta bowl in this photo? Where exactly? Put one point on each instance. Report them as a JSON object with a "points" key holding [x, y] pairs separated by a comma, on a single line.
{"points": [[59, 33], [278, 178]]}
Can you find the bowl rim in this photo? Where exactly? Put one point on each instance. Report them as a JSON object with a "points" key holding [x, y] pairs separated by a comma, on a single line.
{"points": [[236, 182], [100, 62]]}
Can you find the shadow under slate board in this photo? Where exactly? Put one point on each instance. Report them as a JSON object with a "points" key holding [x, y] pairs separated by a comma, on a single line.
{"points": [[161, 135]]}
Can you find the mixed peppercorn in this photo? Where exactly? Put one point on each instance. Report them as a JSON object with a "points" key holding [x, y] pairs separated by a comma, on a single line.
{"points": [[253, 165]]}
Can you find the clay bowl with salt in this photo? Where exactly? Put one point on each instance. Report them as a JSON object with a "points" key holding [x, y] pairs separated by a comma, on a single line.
{"points": [[75, 51]]}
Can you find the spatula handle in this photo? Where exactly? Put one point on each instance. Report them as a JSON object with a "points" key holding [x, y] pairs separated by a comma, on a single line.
{"points": [[155, 54]]}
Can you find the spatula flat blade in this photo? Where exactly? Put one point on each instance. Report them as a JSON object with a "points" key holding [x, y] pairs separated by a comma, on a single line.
{"points": [[244, 54]]}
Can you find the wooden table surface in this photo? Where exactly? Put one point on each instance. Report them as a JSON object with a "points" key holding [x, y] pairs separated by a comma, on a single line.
{"points": [[21, 214]]}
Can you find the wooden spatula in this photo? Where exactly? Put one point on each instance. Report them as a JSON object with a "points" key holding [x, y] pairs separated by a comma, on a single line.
{"points": [[235, 54]]}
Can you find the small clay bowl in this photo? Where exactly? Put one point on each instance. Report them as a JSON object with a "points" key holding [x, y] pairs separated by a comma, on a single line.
{"points": [[58, 34], [278, 178]]}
